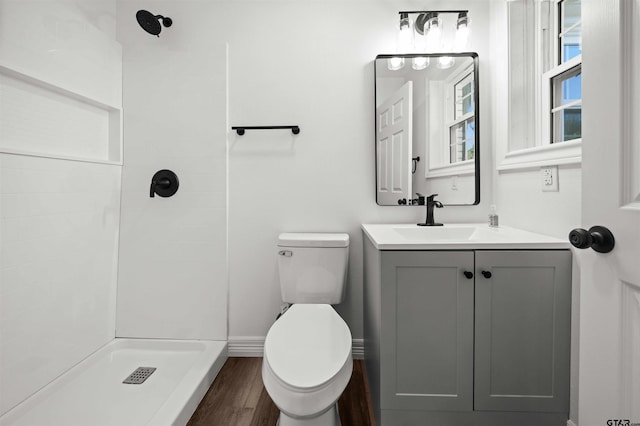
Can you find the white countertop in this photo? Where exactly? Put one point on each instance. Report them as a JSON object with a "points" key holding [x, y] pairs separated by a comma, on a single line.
{"points": [[459, 236]]}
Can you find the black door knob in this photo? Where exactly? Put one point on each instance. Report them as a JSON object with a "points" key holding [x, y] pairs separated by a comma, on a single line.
{"points": [[598, 238], [468, 274], [486, 274]]}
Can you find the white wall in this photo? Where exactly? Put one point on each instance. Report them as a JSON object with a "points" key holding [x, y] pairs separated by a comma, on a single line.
{"points": [[310, 63], [522, 204], [172, 281], [59, 218]]}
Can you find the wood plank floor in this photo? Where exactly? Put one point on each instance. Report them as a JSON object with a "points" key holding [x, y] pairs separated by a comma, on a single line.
{"points": [[237, 397]]}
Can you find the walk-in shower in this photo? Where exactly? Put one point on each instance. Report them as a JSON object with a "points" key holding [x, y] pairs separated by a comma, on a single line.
{"points": [[88, 306]]}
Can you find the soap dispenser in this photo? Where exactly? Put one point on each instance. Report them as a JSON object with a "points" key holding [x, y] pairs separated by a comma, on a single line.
{"points": [[493, 217]]}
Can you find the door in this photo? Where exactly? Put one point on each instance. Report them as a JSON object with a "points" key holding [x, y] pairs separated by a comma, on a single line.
{"points": [[609, 371], [394, 146], [522, 330], [426, 350]]}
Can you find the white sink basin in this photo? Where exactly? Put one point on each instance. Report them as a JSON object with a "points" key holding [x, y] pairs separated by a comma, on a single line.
{"points": [[456, 236], [433, 233]]}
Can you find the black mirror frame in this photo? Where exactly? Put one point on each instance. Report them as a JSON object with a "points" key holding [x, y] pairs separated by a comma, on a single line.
{"points": [[476, 100]]}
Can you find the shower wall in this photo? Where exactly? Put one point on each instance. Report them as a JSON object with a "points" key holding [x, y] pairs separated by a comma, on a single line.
{"points": [[172, 279], [60, 99]]}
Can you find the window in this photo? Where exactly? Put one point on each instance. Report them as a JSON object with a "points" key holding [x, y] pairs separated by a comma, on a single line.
{"points": [[564, 79], [462, 130], [545, 83]]}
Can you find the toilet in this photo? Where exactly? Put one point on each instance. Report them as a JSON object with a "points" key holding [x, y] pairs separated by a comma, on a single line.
{"points": [[307, 352]]}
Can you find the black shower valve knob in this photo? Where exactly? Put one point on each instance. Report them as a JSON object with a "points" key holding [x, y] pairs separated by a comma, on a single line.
{"points": [[165, 183]]}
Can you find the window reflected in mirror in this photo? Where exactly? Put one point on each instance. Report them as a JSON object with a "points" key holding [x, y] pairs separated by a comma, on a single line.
{"points": [[462, 129]]}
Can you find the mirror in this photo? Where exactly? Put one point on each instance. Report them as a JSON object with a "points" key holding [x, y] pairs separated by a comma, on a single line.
{"points": [[427, 133]]}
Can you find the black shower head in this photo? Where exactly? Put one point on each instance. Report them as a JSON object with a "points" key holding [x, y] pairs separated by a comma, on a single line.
{"points": [[151, 23]]}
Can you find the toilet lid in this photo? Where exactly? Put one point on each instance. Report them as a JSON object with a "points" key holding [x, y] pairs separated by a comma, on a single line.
{"points": [[308, 345]]}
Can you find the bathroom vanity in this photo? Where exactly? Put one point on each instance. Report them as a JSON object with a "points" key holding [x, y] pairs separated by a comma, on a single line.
{"points": [[466, 325]]}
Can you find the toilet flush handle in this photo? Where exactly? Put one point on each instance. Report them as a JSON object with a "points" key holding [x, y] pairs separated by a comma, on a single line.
{"points": [[285, 253]]}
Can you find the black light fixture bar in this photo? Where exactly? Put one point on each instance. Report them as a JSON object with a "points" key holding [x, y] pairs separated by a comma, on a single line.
{"points": [[241, 129]]}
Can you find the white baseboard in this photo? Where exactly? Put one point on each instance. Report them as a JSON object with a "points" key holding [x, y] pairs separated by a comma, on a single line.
{"points": [[253, 346], [245, 346]]}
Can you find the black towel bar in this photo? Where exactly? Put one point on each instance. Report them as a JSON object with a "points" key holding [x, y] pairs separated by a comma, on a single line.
{"points": [[241, 129]]}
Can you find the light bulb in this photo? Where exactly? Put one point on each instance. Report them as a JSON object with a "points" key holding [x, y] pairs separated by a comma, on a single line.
{"points": [[462, 32], [405, 35], [420, 63], [434, 33], [445, 62], [395, 63]]}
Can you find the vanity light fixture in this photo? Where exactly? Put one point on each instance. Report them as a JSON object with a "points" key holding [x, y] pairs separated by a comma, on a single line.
{"points": [[433, 32]]}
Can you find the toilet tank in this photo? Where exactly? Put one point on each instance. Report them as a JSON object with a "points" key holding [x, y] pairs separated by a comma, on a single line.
{"points": [[313, 267]]}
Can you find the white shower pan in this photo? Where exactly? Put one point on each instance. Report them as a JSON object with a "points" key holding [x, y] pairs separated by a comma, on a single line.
{"points": [[92, 392]]}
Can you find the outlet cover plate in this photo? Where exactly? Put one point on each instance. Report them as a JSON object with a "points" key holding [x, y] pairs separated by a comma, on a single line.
{"points": [[549, 178]]}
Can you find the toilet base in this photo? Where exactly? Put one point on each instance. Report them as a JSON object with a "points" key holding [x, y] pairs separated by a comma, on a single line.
{"points": [[328, 418]]}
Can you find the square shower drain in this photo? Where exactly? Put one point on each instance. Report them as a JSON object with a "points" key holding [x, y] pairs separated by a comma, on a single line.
{"points": [[139, 375]]}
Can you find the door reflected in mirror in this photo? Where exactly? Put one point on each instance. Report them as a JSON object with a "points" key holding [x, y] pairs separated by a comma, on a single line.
{"points": [[427, 134]]}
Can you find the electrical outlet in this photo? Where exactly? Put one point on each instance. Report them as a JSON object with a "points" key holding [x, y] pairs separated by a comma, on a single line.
{"points": [[549, 176], [454, 183]]}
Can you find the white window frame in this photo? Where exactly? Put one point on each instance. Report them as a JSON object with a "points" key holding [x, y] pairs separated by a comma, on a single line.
{"points": [[540, 151]]}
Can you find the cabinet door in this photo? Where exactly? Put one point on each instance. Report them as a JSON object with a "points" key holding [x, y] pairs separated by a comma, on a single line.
{"points": [[426, 351], [523, 336]]}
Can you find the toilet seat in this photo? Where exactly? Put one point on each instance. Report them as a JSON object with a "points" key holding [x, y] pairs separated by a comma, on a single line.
{"points": [[307, 351]]}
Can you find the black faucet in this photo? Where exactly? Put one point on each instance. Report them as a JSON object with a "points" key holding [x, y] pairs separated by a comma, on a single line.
{"points": [[430, 203]]}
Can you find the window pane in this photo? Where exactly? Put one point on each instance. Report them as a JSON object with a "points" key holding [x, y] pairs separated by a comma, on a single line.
{"points": [[463, 92], [466, 89], [467, 105], [570, 37], [567, 87], [571, 51], [567, 124], [470, 142], [462, 142]]}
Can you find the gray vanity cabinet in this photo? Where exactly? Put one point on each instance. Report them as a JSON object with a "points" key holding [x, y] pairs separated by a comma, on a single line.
{"points": [[454, 349], [522, 330], [428, 304]]}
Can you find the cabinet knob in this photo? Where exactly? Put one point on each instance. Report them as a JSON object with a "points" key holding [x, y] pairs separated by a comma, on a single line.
{"points": [[468, 274], [486, 274]]}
